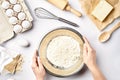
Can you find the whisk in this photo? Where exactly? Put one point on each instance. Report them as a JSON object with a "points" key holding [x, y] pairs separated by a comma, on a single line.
{"points": [[44, 14]]}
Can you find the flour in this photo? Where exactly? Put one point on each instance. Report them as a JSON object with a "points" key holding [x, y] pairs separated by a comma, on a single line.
{"points": [[63, 51]]}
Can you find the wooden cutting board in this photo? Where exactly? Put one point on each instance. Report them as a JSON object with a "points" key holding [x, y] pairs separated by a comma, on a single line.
{"points": [[89, 5]]}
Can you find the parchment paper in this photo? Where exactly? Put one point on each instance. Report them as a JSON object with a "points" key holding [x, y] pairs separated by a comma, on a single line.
{"points": [[89, 5]]}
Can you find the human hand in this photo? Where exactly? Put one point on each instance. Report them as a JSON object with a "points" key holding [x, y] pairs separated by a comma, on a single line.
{"points": [[89, 55], [38, 68]]}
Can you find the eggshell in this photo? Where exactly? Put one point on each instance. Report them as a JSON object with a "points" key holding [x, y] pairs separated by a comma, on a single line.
{"points": [[5, 5], [17, 28], [22, 42], [9, 12], [13, 20], [13, 1], [17, 7], [21, 16], [26, 24]]}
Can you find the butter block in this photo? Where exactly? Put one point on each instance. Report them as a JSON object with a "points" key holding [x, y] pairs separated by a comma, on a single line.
{"points": [[102, 10]]}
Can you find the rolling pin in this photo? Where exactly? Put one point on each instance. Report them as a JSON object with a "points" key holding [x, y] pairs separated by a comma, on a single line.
{"points": [[64, 5]]}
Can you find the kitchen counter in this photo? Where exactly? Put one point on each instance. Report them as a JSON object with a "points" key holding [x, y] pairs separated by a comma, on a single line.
{"points": [[108, 54]]}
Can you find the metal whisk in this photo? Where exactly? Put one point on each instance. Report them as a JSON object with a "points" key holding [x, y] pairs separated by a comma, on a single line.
{"points": [[44, 14]]}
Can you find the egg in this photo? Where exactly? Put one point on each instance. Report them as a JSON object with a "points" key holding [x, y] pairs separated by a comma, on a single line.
{"points": [[26, 24], [13, 20], [17, 28], [21, 16], [13, 1], [9, 12], [17, 7], [5, 5], [22, 42]]}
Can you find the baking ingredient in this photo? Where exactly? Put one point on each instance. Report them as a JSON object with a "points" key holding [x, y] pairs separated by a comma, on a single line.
{"points": [[13, 1], [9, 12], [5, 5], [26, 24], [13, 20], [89, 5], [22, 42], [17, 28], [63, 51], [102, 10], [17, 7], [21, 16]]}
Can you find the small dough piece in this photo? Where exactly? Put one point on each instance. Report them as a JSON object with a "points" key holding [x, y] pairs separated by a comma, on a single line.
{"points": [[21, 16], [9, 12], [5, 5], [13, 1], [17, 28], [102, 10], [13, 20], [17, 8], [26, 24]]}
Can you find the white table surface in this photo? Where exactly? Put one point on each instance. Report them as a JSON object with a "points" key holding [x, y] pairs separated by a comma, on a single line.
{"points": [[108, 54]]}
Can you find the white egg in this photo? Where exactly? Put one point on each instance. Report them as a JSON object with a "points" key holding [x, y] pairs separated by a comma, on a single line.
{"points": [[26, 24], [22, 42], [9, 12], [13, 1], [17, 8], [13, 20], [21, 16], [5, 4], [17, 28]]}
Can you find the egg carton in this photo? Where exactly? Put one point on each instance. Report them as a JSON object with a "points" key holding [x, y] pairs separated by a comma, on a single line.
{"points": [[17, 15]]}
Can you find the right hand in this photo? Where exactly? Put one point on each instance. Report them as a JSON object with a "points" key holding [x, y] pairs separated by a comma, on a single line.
{"points": [[89, 55]]}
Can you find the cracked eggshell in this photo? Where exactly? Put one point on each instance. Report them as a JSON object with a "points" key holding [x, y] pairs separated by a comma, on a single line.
{"points": [[21, 16], [5, 5], [17, 28], [26, 24], [9, 12], [13, 20], [13, 1], [17, 7]]}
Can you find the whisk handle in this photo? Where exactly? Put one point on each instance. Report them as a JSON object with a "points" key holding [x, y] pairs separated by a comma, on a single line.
{"points": [[68, 22]]}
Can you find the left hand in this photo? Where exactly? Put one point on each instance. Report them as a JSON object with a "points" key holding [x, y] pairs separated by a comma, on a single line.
{"points": [[38, 68]]}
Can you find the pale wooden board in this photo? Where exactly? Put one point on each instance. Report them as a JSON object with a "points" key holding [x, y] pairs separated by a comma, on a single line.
{"points": [[89, 5]]}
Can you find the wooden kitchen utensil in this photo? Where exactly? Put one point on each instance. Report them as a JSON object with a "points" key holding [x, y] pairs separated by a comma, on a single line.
{"points": [[63, 4], [107, 34]]}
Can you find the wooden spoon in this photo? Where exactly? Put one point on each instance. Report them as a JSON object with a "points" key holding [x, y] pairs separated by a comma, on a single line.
{"points": [[107, 34]]}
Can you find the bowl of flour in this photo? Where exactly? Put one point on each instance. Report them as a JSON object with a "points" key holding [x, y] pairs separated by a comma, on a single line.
{"points": [[61, 52]]}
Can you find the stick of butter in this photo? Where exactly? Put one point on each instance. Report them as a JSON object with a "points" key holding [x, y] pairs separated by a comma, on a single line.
{"points": [[102, 10]]}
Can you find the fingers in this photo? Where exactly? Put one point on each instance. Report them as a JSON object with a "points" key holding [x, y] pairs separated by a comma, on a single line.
{"points": [[85, 50], [35, 62], [87, 43]]}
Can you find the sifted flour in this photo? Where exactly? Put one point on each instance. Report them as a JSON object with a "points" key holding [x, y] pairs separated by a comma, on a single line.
{"points": [[63, 51]]}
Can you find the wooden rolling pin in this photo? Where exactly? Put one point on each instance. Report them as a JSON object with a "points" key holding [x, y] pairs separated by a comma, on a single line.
{"points": [[63, 5]]}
